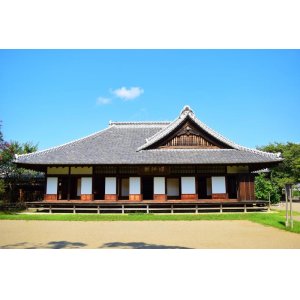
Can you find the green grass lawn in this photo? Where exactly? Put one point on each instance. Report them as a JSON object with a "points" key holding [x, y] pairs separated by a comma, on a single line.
{"points": [[274, 219]]}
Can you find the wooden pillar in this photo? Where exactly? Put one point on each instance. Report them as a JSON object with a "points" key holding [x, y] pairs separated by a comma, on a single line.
{"points": [[21, 195], [69, 185]]}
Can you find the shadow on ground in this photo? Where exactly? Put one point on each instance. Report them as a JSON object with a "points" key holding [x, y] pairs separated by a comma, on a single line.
{"points": [[139, 245], [50, 245], [78, 245]]}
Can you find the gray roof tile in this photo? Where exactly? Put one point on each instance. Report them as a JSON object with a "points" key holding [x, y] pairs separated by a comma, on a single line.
{"points": [[126, 143]]}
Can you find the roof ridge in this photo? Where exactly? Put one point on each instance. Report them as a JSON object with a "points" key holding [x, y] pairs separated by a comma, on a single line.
{"points": [[189, 149], [111, 123]]}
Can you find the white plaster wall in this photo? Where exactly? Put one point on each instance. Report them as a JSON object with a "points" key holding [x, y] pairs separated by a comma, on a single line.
{"points": [[173, 187], [86, 185], [134, 185], [188, 185], [52, 183], [159, 185], [110, 185], [218, 185]]}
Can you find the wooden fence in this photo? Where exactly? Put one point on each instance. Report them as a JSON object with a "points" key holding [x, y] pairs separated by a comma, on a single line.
{"points": [[148, 208]]}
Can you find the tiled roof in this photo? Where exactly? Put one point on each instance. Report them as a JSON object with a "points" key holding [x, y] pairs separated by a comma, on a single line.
{"points": [[127, 142]]}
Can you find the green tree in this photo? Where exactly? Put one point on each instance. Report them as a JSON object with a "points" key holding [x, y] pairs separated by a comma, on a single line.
{"points": [[289, 170], [8, 154], [264, 187], [9, 172]]}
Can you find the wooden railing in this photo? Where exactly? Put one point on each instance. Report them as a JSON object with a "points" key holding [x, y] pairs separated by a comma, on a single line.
{"points": [[149, 208]]}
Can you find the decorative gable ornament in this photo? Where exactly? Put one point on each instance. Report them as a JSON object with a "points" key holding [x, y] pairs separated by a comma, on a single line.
{"points": [[186, 111]]}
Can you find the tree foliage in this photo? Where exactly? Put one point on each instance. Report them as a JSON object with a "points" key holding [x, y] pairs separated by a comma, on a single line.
{"points": [[8, 152], [289, 170], [265, 187], [8, 170]]}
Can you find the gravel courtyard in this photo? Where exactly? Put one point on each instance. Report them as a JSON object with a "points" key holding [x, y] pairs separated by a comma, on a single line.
{"points": [[144, 235]]}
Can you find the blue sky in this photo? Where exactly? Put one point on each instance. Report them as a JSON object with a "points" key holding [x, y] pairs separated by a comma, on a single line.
{"points": [[51, 97]]}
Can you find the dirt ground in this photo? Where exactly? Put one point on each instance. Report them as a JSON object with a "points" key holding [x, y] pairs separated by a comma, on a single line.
{"points": [[281, 206], [144, 235]]}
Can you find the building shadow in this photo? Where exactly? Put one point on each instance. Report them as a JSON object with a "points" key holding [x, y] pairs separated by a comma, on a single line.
{"points": [[65, 245], [50, 245], [138, 245], [79, 245]]}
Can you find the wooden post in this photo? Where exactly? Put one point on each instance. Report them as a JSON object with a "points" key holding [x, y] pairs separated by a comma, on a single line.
{"points": [[50, 209], [269, 207], [69, 186], [286, 209], [98, 209], [147, 208], [287, 191], [221, 208], [291, 207], [21, 195], [123, 211], [245, 208], [197, 209], [74, 209]]}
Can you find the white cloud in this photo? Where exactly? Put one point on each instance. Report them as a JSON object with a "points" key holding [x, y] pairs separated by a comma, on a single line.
{"points": [[103, 101], [128, 94]]}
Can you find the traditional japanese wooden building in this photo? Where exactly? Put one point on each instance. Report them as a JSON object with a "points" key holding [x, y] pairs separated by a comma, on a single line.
{"points": [[161, 162]]}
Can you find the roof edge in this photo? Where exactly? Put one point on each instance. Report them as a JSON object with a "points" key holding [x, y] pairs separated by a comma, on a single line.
{"points": [[58, 147]]}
